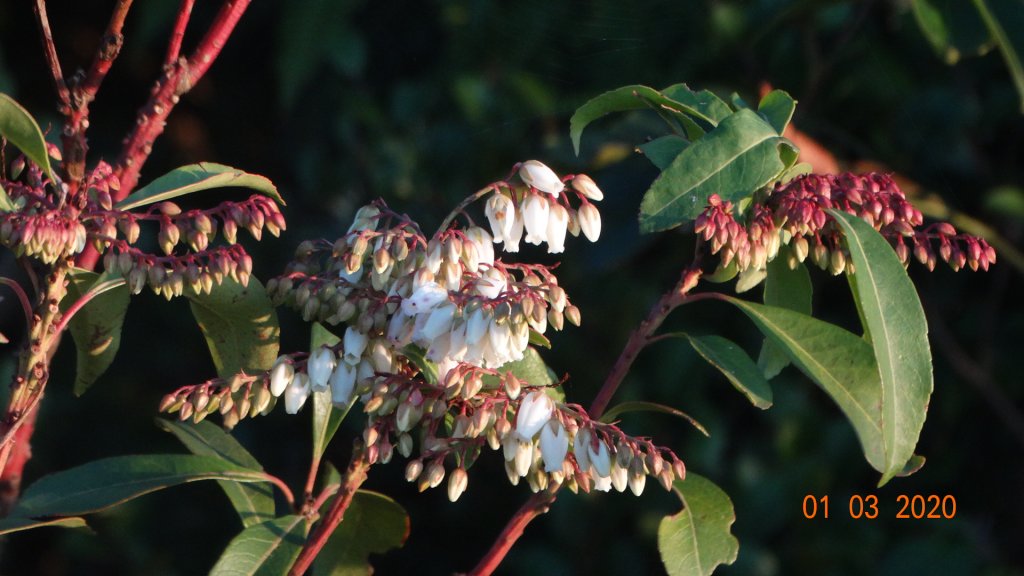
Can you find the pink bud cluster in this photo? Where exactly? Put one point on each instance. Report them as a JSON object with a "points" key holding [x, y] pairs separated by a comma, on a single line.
{"points": [[171, 276], [794, 216], [48, 235]]}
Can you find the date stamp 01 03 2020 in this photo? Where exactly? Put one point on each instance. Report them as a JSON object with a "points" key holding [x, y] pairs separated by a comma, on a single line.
{"points": [[910, 507]]}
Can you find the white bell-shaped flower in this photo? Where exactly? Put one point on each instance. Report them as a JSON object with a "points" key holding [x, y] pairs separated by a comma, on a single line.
{"points": [[602, 483], [281, 376], [554, 445], [534, 412], [586, 186], [424, 299], [537, 175], [355, 344], [296, 393], [483, 244], [535, 218], [476, 326], [319, 368], [620, 477], [342, 383], [580, 448], [524, 457], [501, 214], [491, 283], [439, 321], [558, 223], [590, 221], [599, 458]]}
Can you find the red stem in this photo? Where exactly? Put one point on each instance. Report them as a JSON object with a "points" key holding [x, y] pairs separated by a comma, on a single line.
{"points": [[51, 55], [22, 298], [537, 504], [109, 48], [644, 333], [178, 79], [354, 478], [16, 454], [174, 46]]}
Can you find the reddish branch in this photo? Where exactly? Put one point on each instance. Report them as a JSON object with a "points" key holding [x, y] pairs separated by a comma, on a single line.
{"points": [[178, 78], [51, 56], [642, 336], [354, 478], [180, 24]]}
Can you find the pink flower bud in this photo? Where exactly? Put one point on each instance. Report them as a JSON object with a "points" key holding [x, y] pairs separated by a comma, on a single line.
{"points": [[590, 221], [586, 186]]}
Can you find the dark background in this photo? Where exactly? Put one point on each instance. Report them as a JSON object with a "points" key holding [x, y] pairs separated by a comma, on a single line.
{"points": [[423, 102]]}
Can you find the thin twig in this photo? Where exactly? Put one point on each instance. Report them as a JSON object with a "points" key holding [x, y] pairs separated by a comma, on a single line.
{"points": [[110, 47], [50, 50], [22, 298], [285, 490], [354, 478], [180, 24], [179, 77]]}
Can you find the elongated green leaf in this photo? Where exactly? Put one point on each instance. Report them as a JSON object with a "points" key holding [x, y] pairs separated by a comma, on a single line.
{"points": [[662, 151], [697, 539], [195, 178], [531, 369], [265, 549], [735, 159], [736, 366], [253, 502], [105, 483], [374, 524], [895, 322], [20, 129], [841, 363], [96, 327], [706, 102], [635, 97], [240, 326], [8, 525], [6, 204], [639, 406], [418, 357], [326, 418], [777, 108], [786, 288]]}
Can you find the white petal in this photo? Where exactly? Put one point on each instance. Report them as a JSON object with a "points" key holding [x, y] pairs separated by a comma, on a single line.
{"points": [[342, 383], [296, 394], [281, 376], [539, 176], [440, 321], [424, 299], [534, 412], [535, 219], [355, 345], [554, 445], [558, 223], [599, 458], [590, 222], [319, 367]]}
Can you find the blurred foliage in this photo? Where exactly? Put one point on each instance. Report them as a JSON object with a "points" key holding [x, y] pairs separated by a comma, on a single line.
{"points": [[338, 101]]}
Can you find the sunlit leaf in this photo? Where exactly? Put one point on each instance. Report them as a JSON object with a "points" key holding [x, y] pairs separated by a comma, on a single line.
{"points": [[10, 524], [698, 539], [777, 108], [786, 288], [840, 362], [265, 549], [105, 483], [706, 102], [326, 417], [895, 323], [639, 406], [373, 524], [21, 130], [735, 365], [96, 327], [734, 160], [253, 502], [195, 178], [662, 151], [240, 326]]}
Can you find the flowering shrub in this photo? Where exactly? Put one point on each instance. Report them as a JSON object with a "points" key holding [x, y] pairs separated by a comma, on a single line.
{"points": [[434, 339]]}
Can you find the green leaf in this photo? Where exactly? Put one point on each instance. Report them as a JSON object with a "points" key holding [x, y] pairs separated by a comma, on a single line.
{"points": [[734, 160], [706, 102], [840, 362], [697, 539], [105, 483], [531, 369], [240, 326], [194, 178], [326, 418], [777, 108], [96, 327], [538, 339], [639, 406], [786, 288], [253, 502], [6, 205], [418, 357], [374, 524], [735, 365], [634, 97], [8, 525], [895, 323], [662, 151], [1010, 57], [20, 129], [265, 549]]}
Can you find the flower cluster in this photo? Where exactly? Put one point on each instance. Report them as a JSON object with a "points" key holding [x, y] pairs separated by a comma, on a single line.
{"points": [[433, 329], [794, 217]]}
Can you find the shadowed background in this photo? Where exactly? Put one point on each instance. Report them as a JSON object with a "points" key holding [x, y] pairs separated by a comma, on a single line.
{"points": [[422, 103]]}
